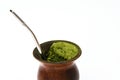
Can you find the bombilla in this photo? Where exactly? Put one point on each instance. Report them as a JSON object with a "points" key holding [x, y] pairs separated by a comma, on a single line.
{"points": [[38, 45]]}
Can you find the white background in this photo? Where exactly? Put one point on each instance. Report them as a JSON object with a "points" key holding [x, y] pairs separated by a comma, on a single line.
{"points": [[93, 24]]}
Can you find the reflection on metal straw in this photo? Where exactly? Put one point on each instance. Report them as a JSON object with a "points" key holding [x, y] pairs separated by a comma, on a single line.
{"points": [[38, 45]]}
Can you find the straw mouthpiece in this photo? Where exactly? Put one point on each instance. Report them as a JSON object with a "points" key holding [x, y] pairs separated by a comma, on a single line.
{"points": [[11, 11]]}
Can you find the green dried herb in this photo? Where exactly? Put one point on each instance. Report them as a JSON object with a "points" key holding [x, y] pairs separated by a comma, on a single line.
{"points": [[61, 51]]}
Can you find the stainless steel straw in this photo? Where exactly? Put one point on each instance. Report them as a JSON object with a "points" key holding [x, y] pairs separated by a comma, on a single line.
{"points": [[38, 45]]}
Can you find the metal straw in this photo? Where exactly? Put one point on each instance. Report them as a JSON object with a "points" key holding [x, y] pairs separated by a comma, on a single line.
{"points": [[38, 45]]}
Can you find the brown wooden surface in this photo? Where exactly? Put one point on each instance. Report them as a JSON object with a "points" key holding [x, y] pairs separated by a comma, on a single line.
{"points": [[58, 72], [66, 70]]}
